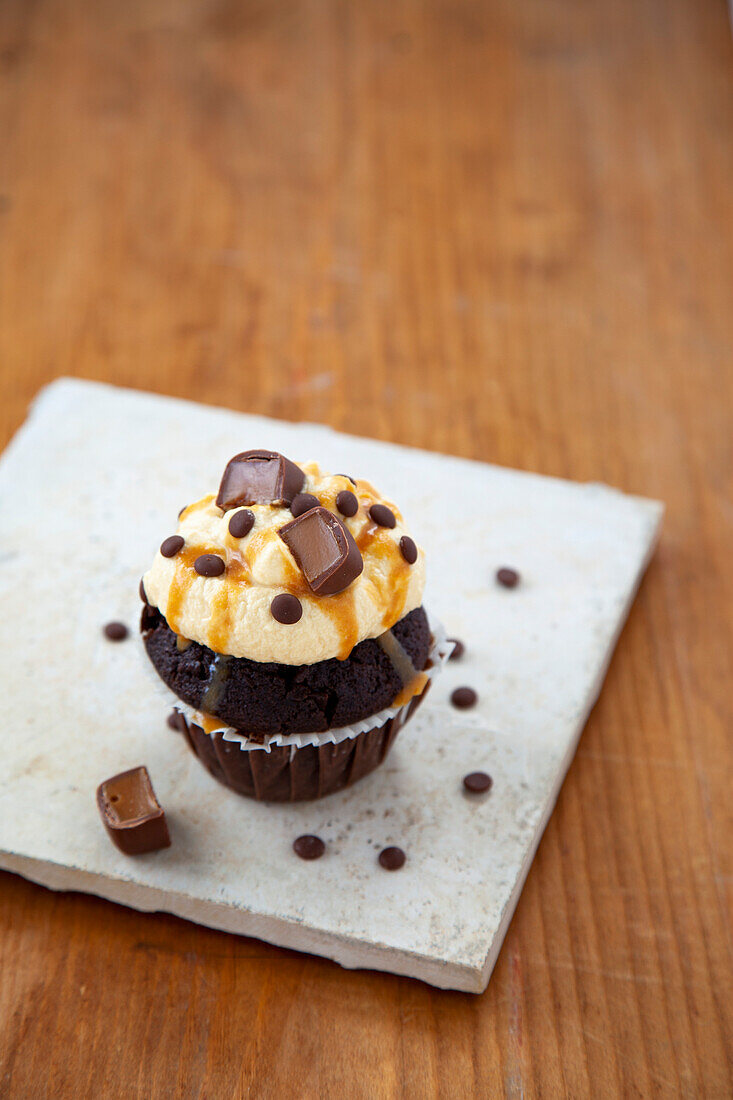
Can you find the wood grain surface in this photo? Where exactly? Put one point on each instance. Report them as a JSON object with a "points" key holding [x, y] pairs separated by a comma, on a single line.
{"points": [[502, 230]]}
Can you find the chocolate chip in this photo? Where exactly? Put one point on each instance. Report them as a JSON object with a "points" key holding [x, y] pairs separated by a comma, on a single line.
{"points": [[259, 477], [349, 477], [116, 632], [477, 782], [286, 609], [209, 565], [324, 549], [409, 550], [392, 859], [176, 720], [141, 590], [183, 509], [382, 515], [303, 502], [308, 846], [458, 649], [169, 547], [463, 698], [347, 503], [509, 578], [241, 523]]}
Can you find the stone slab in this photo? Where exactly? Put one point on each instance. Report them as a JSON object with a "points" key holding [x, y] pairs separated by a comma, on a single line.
{"points": [[90, 485]]}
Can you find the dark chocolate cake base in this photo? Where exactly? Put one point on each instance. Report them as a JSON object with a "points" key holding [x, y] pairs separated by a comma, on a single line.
{"points": [[266, 698], [287, 774]]}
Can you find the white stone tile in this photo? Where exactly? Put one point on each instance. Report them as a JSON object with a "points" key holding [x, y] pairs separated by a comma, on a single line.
{"points": [[89, 487]]}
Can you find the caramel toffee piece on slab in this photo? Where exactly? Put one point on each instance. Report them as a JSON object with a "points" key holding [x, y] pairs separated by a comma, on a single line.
{"points": [[131, 813], [324, 550], [259, 477]]}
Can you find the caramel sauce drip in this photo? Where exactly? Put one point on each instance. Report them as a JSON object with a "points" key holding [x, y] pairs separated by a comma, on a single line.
{"points": [[209, 723], [220, 624], [212, 695], [341, 610], [197, 506], [183, 578], [409, 691], [413, 682], [393, 580]]}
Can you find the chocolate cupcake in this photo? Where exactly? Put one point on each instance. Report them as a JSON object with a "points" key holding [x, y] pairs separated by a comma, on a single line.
{"points": [[286, 614]]}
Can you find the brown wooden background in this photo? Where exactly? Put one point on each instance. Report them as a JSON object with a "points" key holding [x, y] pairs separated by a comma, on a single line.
{"points": [[498, 229]]}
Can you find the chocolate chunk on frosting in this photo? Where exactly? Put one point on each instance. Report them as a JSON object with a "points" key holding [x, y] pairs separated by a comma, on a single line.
{"points": [[259, 477], [324, 550]]}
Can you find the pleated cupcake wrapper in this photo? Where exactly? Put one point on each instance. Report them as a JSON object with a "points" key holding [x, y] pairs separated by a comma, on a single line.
{"points": [[440, 651]]}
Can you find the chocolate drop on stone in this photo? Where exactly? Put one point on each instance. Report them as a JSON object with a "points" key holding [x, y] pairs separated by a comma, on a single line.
{"points": [[392, 859], [286, 609], [209, 565], [169, 547], [131, 813], [241, 523], [115, 632], [508, 578], [324, 549], [303, 502], [464, 697], [382, 515], [259, 477], [308, 846], [477, 782], [347, 503]]}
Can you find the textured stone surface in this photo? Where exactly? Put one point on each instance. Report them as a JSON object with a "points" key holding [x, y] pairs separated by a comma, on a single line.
{"points": [[107, 471]]}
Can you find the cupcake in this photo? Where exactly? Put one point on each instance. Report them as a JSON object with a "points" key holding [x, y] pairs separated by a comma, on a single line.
{"points": [[286, 615]]}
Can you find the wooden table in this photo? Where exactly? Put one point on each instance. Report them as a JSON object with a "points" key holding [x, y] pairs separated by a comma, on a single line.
{"points": [[499, 230]]}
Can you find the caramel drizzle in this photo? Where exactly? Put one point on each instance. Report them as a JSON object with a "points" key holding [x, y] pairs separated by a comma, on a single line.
{"points": [[209, 723], [392, 583], [219, 674], [409, 691], [413, 682], [183, 577]]}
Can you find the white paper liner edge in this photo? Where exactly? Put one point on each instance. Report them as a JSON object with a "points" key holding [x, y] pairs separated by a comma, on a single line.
{"points": [[440, 651]]}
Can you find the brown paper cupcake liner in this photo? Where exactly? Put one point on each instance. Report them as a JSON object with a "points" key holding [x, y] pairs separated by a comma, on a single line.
{"points": [[298, 767], [290, 774]]}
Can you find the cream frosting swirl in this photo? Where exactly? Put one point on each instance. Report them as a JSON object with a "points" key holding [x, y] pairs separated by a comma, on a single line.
{"points": [[231, 613]]}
